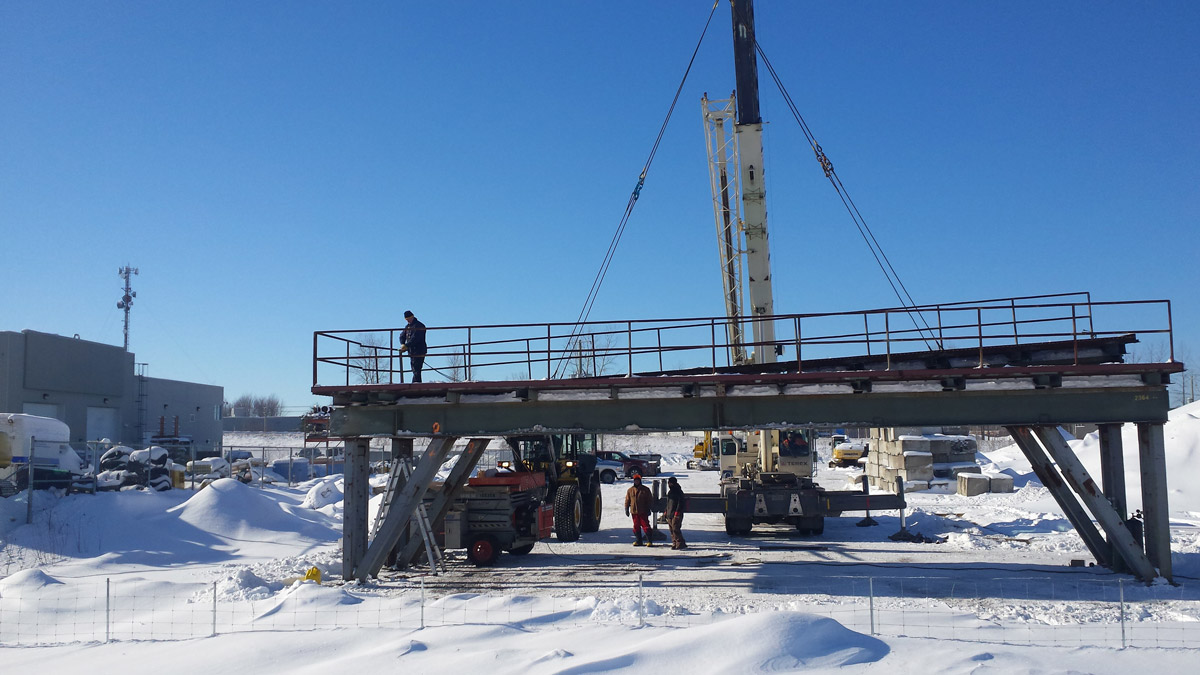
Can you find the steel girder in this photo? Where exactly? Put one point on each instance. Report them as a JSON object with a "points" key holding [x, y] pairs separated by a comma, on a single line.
{"points": [[673, 412]]}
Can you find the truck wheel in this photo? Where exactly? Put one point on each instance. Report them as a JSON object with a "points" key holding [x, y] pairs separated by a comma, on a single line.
{"points": [[521, 550], [593, 508], [568, 512], [483, 549], [810, 527], [608, 476], [738, 527]]}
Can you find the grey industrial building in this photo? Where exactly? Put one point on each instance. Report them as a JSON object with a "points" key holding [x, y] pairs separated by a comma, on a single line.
{"points": [[97, 390]]}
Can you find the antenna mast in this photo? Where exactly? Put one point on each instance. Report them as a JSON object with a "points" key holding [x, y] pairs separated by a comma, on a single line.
{"points": [[126, 301]]}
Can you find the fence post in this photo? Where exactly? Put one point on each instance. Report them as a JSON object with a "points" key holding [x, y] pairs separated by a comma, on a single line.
{"points": [[291, 462], [107, 609], [262, 470], [871, 601], [641, 604], [422, 603], [1121, 589], [214, 614], [29, 488]]}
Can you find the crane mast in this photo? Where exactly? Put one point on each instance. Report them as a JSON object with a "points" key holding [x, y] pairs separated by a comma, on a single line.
{"points": [[723, 172]]}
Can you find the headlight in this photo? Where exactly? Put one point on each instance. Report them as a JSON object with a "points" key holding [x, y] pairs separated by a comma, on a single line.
{"points": [[505, 465], [570, 464]]}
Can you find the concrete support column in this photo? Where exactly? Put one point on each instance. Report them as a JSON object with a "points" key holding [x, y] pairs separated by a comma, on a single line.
{"points": [[357, 492], [1112, 479], [1152, 458]]}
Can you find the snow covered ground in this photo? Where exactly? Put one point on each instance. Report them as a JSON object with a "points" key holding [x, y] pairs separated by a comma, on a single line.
{"points": [[156, 574]]}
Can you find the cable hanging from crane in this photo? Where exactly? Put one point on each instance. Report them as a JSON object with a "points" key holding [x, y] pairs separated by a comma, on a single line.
{"points": [[577, 331], [885, 265]]}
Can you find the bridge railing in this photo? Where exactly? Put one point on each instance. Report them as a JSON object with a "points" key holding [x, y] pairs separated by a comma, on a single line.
{"points": [[541, 351]]}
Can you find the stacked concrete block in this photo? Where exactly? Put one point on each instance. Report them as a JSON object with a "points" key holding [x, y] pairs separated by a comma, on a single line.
{"points": [[972, 484], [1001, 483], [918, 456]]}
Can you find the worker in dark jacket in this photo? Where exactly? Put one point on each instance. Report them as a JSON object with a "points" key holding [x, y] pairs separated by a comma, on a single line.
{"points": [[413, 342], [674, 513], [637, 505]]}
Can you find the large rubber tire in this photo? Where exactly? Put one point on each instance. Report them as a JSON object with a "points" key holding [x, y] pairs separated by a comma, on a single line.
{"points": [[811, 526], [568, 512], [593, 507], [483, 550], [608, 476], [521, 550], [738, 527]]}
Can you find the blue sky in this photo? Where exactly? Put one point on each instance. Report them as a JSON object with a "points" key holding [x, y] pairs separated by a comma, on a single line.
{"points": [[275, 168]]}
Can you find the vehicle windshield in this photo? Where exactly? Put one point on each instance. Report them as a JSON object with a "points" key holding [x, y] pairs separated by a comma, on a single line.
{"points": [[794, 445]]}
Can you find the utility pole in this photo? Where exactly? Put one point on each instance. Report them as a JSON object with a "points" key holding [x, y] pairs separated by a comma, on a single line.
{"points": [[126, 301]]}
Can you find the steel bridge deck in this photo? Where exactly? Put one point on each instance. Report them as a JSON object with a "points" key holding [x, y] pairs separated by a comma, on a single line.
{"points": [[1083, 389]]}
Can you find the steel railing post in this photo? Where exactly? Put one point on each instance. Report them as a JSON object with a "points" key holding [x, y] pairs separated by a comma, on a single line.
{"points": [[712, 326], [887, 337], [1074, 335], [629, 339], [867, 333], [1016, 337], [658, 333], [979, 326], [316, 357], [391, 356], [548, 338], [1170, 332], [799, 341], [467, 357], [529, 358]]}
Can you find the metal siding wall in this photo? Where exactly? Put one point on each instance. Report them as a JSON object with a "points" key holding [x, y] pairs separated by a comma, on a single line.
{"points": [[12, 354], [57, 363], [168, 398]]}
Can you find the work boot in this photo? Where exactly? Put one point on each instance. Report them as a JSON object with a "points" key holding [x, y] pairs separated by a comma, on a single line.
{"points": [[639, 541], [649, 541]]}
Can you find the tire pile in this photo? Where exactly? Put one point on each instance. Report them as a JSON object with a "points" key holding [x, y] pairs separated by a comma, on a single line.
{"points": [[122, 468]]}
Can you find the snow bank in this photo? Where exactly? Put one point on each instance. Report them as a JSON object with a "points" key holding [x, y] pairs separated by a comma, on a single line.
{"points": [[324, 493], [232, 510], [1182, 439], [26, 584], [766, 642]]}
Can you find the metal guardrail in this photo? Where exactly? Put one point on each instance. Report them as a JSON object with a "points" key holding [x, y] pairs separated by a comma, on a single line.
{"points": [[536, 351]]}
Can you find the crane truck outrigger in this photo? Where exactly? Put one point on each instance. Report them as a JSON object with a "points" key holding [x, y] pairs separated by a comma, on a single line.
{"points": [[770, 479]]}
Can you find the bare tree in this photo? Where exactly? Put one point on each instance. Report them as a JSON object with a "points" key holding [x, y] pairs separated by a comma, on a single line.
{"points": [[249, 405], [267, 406], [592, 356], [370, 359], [459, 372], [243, 406]]}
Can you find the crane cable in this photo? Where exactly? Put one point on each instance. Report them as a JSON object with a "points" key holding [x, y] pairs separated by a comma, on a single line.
{"points": [[586, 310], [885, 265]]}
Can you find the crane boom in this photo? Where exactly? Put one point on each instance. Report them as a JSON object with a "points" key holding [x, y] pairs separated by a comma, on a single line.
{"points": [[754, 192]]}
